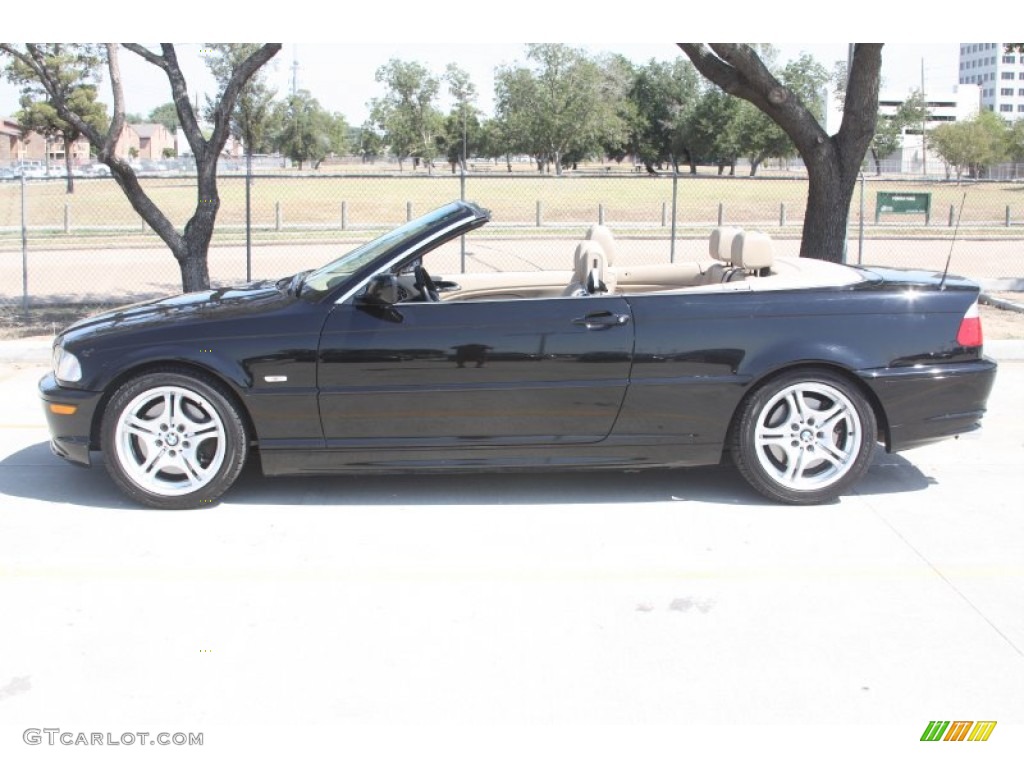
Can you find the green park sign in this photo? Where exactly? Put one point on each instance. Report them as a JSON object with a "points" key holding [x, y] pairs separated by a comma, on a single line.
{"points": [[903, 202]]}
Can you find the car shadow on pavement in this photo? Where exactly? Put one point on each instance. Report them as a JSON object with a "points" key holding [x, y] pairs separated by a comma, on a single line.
{"points": [[34, 473]]}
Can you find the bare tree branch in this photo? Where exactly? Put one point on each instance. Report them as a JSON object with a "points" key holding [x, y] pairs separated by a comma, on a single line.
{"points": [[832, 162], [147, 54], [189, 247], [107, 148], [738, 70]]}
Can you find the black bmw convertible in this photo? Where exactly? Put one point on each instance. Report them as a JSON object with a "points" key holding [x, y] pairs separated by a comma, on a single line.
{"points": [[792, 369]]}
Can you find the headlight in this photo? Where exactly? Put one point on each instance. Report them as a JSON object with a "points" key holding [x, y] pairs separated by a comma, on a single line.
{"points": [[66, 366]]}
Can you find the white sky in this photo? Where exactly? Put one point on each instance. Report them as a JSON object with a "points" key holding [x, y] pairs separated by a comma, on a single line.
{"points": [[341, 75], [339, 56]]}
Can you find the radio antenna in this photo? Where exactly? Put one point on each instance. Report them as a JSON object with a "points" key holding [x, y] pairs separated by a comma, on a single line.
{"points": [[949, 258]]}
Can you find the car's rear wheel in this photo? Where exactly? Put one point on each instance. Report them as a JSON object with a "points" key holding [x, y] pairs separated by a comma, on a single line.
{"points": [[804, 436], [173, 440]]}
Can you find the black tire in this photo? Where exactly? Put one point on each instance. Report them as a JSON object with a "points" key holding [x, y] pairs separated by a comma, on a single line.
{"points": [[804, 436], [173, 440]]}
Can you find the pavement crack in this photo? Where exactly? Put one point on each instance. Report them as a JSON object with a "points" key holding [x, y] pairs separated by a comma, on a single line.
{"points": [[950, 584]]}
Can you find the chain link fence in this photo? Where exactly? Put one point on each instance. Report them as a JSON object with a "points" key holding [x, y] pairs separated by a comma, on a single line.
{"points": [[90, 249]]}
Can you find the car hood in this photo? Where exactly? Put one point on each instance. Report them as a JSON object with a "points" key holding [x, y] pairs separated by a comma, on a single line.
{"points": [[187, 308]]}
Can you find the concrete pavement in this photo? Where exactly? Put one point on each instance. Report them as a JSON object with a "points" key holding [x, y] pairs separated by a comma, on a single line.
{"points": [[542, 620]]}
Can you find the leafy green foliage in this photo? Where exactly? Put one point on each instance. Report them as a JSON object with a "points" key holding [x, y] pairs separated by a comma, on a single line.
{"points": [[1015, 141], [166, 115], [972, 145], [406, 115], [664, 95], [461, 136], [887, 139], [74, 72], [309, 133], [560, 107]]}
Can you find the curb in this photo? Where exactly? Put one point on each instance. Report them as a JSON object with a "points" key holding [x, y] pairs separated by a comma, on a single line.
{"points": [[995, 301]]}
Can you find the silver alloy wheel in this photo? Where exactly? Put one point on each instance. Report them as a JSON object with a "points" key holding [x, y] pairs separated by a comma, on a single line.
{"points": [[808, 436], [170, 441]]}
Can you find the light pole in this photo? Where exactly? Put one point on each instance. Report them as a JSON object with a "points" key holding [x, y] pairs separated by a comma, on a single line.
{"points": [[462, 188]]}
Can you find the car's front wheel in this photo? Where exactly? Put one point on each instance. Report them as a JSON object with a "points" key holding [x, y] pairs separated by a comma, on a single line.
{"points": [[173, 440], [804, 436]]}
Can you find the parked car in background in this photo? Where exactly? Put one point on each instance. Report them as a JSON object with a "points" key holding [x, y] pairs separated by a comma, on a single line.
{"points": [[792, 369], [92, 170]]}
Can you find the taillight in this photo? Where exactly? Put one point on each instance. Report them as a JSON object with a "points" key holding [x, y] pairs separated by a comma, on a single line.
{"points": [[970, 334]]}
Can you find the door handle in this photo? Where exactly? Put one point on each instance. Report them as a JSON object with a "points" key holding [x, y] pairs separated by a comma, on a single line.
{"points": [[601, 320]]}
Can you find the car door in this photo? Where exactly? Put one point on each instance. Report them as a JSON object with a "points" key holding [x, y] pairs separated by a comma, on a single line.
{"points": [[474, 373]]}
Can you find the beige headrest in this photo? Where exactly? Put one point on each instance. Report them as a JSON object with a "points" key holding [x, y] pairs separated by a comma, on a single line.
{"points": [[590, 258], [720, 243], [589, 255], [600, 234], [752, 250]]}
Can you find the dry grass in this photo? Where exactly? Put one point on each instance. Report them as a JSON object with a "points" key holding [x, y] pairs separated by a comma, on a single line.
{"points": [[99, 207]]}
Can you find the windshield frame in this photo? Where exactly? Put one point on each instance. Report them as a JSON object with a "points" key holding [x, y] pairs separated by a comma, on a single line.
{"points": [[390, 248]]}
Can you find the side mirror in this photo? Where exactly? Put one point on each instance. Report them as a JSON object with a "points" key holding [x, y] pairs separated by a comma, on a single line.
{"points": [[382, 290], [380, 297]]}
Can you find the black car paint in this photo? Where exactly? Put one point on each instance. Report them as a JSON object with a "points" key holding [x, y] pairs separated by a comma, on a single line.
{"points": [[615, 381]]}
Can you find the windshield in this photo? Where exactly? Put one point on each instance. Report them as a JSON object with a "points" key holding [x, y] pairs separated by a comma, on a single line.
{"points": [[330, 275]]}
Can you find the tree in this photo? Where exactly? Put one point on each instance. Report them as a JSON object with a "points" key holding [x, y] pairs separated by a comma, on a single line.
{"points": [[972, 145], [561, 107], [456, 139], [887, 139], [1015, 141], [910, 117], [309, 133], [74, 70], [406, 115], [512, 130], [714, 130], [760, 137], [190, 246], [166, 115], [833, 162], [664, 95], [251, 118], [370, 144]]}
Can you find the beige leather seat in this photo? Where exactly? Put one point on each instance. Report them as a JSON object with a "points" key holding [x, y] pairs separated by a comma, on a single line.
{"points": [[590, 271], [752, 254], [720, 247]]}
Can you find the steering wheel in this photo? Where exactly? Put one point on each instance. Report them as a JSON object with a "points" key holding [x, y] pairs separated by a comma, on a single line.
{"points": [[425, 284]]}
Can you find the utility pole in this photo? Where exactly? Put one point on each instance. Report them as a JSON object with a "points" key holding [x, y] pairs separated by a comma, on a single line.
{"points": [[924, 125], [295, 71]]}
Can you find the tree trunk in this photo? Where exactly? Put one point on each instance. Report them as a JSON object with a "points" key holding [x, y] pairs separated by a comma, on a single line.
{"points": [[195, 243], [829, 191], [190, 248], [833, 162], [67, 165]]}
